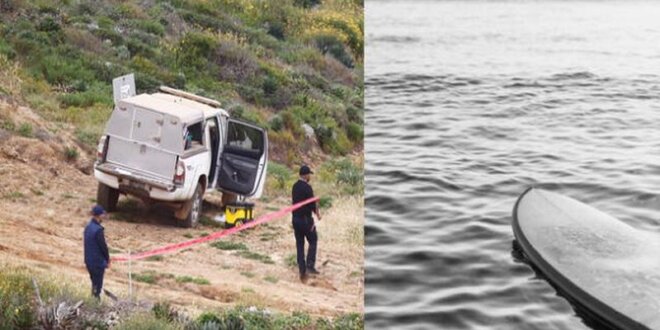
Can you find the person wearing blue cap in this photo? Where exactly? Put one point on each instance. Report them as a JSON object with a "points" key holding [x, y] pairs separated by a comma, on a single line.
{"points": [[97, 258], [303, 223]]}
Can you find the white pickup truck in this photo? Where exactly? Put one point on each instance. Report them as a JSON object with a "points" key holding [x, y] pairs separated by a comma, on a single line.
{"points": [[172, 147]]}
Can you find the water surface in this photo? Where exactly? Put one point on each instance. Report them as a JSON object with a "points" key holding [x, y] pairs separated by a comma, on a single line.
{"points": [[468, 103]]}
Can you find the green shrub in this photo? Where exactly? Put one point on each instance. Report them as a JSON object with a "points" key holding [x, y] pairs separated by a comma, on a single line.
{"points": [[281, 98], [10, 6], [271, 279], [124, 11], [16, 294], [151, 26], [147, 277], [162, 310], [85, 99], [256, 256], [85, 8], [297, 320], [87, 137], [343, 172], [350, 175], [58, 70], [354, 114], [291, 260], [25, 130], [354, 132], [48, 24], [6, 49], [189, 279], [7, 124], [195, 49], [281, 173], [307, 3], [24, 37], [276, 123], [248, 115], [145, 321], [345, 321], [242, 318], [236, 62], [354, 34], [328, 43], [145, 66], [247, 274], [269, 85], [105, 22], [146, 82], [208, 317], [341, 145], [292, 123], [218, 21], [138, 47], [71, 154], [326, 134], [228, 245], [325, 202], [251, 94], [47, 7], [276, 29]]}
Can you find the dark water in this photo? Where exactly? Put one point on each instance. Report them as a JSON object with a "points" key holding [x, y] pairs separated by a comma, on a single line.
{"points": [[468, 103]]}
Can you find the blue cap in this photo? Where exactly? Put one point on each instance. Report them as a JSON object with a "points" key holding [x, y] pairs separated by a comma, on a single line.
{"points": [[98, 210], [305, 170]]}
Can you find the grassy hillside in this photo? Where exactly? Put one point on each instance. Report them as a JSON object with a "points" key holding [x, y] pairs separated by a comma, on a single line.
{"points": [[280, 64]]}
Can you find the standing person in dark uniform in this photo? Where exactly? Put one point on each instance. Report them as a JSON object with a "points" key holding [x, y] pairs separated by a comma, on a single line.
{"points": [[97, 258], [303, 223]]}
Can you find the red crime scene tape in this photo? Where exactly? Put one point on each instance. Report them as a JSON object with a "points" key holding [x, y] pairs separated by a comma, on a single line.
{"points": [[216, 235]]}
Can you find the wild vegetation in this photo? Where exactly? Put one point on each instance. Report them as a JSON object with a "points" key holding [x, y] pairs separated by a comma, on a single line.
{"points": [[21, 310], [293, 66]]}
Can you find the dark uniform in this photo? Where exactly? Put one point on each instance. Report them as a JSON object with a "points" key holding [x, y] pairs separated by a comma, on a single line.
{"points": [[96, 253], [303, 226]]}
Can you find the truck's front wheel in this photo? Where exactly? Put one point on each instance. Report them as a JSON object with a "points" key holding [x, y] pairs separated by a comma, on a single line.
{"points": [[107, 197], [195, 212]]}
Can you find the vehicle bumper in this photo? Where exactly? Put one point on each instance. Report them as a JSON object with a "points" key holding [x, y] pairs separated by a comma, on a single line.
{"points": [[138, 184]]}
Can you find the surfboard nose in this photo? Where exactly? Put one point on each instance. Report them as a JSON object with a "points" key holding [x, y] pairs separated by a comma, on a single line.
{"points": [[606, 266]]}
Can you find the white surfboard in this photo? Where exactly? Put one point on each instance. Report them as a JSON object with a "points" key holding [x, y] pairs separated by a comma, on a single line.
{"points": [[608, 267]]}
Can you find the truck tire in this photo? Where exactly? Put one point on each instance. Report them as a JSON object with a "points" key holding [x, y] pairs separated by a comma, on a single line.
{"points": [[195, 206], [107, 197]]}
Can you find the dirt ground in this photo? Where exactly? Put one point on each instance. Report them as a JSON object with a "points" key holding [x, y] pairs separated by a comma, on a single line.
{"points": [[44, 206]]}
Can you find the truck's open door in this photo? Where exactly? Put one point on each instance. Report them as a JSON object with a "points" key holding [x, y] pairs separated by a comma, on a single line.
{"points": [[244, 159]]}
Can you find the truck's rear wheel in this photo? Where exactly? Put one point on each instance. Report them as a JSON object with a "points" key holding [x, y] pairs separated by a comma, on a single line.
{"points": [[107, 197], [195, 212]]}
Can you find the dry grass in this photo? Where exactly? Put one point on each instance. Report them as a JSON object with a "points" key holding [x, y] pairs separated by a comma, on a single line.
{"points": [[342, 227], [248, 297], [84, 39], [10, 80]]}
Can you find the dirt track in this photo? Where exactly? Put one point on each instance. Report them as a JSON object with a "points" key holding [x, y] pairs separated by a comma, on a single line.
{"points": [[44, 203]]}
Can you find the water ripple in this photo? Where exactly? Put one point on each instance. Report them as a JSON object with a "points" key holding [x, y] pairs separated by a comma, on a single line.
{"points": [[459, 124]]}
